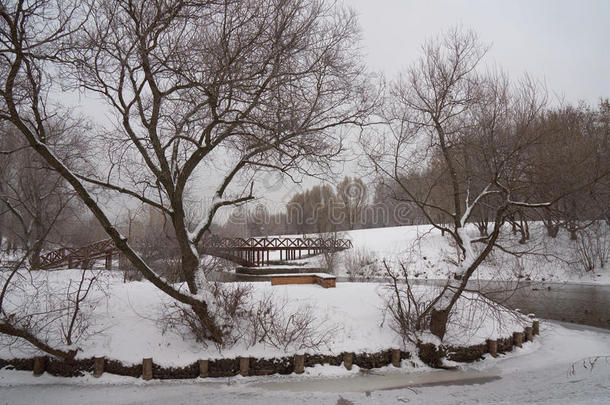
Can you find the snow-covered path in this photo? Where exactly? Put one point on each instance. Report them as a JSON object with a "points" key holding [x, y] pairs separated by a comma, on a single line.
{"points": [[539, 373]]}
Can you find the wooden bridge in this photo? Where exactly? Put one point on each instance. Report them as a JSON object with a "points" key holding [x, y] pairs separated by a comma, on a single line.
{"points": [[253, 252], [79, 257], [249, 252]]}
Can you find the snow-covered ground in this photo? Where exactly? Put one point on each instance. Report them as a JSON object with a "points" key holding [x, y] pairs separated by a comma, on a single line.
{"points": [[427, 254], [563, 366], [125, 322]]}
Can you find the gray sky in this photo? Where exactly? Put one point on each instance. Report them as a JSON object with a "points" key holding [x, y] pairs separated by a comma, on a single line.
{"points": [[565, 44]]}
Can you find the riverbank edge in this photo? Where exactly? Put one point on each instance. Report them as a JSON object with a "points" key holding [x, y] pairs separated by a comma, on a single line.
{"points": [[428, 353]]}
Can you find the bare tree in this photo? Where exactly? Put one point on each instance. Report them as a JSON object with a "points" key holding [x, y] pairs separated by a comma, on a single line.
{"points": [[33, 198], [458, 141], [351, 192], [577, 165], [217, 89]]}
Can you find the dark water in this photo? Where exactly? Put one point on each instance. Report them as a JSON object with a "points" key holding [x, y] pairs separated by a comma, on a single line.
{"points": [[582, 304], [577, 303]]}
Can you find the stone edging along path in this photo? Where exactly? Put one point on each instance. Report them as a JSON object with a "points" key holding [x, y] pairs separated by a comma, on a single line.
{"points": [[249, 366]]}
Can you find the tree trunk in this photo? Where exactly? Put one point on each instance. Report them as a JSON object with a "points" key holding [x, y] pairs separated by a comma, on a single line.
{"points": [[190, 263], [34, 256], [10, 330], [552, 230], [201, 310], [438, 322]]}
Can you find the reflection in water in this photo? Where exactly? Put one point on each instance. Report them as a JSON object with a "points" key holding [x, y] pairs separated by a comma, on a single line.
{"points": [[583, 304]]}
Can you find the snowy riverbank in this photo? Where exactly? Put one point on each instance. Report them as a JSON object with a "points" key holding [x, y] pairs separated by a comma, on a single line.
{"points": [[125, 322]]}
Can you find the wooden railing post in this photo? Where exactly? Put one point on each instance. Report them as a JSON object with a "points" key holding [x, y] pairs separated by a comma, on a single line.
{"points": [[98, 366], [147, 366]]}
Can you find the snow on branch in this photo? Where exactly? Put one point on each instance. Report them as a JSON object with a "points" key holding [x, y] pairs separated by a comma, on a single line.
{"points": [[205, 224]]}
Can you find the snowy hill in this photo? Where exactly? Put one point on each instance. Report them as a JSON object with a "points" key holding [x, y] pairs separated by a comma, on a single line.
{"points": [[427, 254]]}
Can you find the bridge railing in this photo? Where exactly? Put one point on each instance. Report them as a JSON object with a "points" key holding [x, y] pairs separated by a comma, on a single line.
{"points": [[76, 256], [277, 243]]}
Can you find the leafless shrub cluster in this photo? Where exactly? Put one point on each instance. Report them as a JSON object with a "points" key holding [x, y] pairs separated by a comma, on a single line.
{"points": [[408, 308], [248, 320], [477, 311], [130, 273], [76, 325], [48, 314], [592, 247], [360, 262], [331, 258], [274, 323], [411, 307]]}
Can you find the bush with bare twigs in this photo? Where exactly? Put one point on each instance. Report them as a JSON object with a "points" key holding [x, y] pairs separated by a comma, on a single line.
{"points": [[46, 311], [251, 320], [360, 262], [409, 308], [592, 247]]}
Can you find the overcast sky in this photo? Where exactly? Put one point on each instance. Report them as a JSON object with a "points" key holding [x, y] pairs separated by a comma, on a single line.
{"points": [[566, 44]]}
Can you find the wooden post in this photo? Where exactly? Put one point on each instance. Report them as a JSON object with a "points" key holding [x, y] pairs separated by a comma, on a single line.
{"points": [[536, 327], [40, 364], [492, 346], [108, 263], [396, 357], [203, 368], [98, 366], [518, 339], [529, 334], [299, 363], [244, 366], [348, 360], [147, 364]]}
